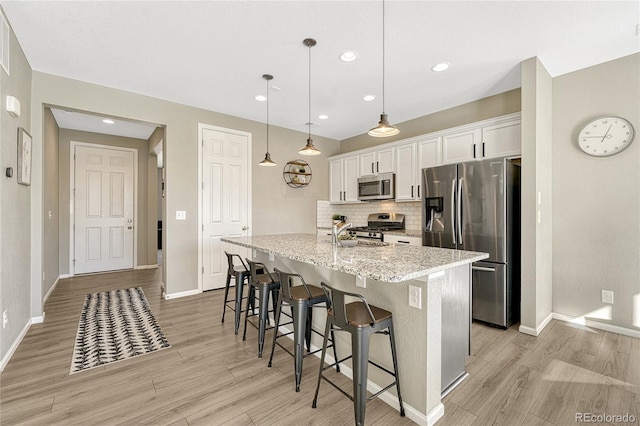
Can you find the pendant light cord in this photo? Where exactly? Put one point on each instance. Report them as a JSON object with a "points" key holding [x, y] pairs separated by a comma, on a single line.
{"points": [[309, 123], [383, 61], [268, 115]]}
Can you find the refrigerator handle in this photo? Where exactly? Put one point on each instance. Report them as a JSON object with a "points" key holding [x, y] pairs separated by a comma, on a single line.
{"points": [[483, 268], [453, 210], [459, 211]]}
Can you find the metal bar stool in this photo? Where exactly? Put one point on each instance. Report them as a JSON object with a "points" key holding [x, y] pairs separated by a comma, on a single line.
{"points": [[261, 281], [361, 320], [239, 273], [301, 298]]}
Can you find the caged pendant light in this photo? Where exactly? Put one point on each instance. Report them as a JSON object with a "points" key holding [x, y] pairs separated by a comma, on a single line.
{"points": [[267, 157], [309, 148], [383, 129]]}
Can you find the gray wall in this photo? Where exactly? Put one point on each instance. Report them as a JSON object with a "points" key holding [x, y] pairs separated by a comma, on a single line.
{"points": [[66, 136], [51, 233], [15, 204], [536, 178], [482, 109], [272, 199], [596, 201]]}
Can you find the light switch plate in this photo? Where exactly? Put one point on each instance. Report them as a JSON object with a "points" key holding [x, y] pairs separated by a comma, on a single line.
{"points": [[181, 215]]}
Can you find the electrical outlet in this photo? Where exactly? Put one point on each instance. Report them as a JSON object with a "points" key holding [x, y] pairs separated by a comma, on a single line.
{"points": [[607, 296], [415, 297], [5, 318]]}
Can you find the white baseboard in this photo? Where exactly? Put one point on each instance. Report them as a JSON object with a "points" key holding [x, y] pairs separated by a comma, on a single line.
{"points": [[46, 296], [154, 266], [536, 331], [38, 320], [597, 324], [387, 397], [64, 276], [181, 294], [7, 357]]}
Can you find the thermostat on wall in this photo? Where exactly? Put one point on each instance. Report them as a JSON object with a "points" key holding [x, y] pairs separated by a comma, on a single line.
{"points": [[13, 106]]}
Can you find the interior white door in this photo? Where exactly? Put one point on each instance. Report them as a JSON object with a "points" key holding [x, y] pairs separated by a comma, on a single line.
{"points": [[225, 200], [103, 209]]}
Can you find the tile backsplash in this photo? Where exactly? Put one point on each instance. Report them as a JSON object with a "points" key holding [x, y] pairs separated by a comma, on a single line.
{"points": [[357, 213]]}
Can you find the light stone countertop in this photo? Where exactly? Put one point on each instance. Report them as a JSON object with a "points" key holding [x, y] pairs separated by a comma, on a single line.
{"points": [[390, 263]]}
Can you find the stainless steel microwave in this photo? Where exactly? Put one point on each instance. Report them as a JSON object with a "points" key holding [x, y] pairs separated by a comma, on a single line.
{"points": [[377, 187]]}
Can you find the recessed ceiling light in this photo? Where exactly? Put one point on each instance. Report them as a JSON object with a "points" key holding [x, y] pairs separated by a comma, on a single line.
{"points": [[442, 66], [349, 56], [260, 98], [368, 98], [323, 116], [107, 121]]}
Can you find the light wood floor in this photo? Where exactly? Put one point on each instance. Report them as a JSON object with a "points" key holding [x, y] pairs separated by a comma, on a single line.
{"points": [[210, 376]]}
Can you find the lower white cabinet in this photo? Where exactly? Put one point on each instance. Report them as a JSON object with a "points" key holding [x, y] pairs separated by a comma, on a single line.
{"points": [[402, 239]]}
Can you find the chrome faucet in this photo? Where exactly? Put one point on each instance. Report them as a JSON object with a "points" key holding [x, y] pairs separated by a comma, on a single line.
{"points": [[337, 230]]}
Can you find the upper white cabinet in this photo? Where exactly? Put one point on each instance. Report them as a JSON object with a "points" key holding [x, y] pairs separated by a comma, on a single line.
{"points": [[502, 140], [429, 153], [406, 172], [499, 137], [343, 180], [460, 146], [378, 161]]}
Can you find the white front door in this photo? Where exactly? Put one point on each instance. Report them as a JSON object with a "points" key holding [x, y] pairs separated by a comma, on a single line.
{"points": [[225, 199], [103, 209]]}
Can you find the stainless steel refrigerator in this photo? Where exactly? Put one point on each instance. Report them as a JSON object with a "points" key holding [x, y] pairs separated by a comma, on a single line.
{"points": [[476, 206]]}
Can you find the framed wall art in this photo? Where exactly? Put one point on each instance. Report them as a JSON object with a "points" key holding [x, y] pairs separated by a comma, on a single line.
{"points": [[24, 157]]}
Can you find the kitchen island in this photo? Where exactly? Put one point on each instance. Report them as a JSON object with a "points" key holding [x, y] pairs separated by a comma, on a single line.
{"points": [[440, 283]]}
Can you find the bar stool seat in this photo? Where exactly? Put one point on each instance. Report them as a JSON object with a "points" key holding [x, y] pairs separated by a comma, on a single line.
{"points": [[302, 299], [361, 320], [264, 283]]}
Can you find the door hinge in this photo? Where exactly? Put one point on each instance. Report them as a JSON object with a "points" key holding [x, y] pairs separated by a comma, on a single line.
{"points": [[203, 270]]}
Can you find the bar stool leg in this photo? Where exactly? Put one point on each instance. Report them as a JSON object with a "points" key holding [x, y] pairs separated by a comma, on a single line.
{"points": [[299, 327], [246, 314], [226, 295], [276, 321], [335, 353], [360, 347], [240, 275], [263, 313], [308, 327], [324, 352], [395, 366]]}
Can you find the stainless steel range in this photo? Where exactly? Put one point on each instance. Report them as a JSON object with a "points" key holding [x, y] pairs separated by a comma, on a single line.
{"points": [[378, 224]]}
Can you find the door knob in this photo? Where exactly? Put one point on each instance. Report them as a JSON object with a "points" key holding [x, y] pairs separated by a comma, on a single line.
{"points": [[129, 227], [244, 228]]}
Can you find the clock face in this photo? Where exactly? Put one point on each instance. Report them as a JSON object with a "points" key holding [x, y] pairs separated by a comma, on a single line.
{"points": [[605, 136]]}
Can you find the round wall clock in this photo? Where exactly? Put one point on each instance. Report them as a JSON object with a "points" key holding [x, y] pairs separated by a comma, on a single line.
{"points": [[605, 136]]}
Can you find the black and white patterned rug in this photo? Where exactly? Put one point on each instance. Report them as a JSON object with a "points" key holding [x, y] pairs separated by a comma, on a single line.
{"points": [[115, 325]]}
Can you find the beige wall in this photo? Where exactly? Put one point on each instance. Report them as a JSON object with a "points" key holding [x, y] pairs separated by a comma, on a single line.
{"points": [[596, 201], [51, 208], [482, 109], [66, 137], [273, 201], [15, 206], [536, 178]]}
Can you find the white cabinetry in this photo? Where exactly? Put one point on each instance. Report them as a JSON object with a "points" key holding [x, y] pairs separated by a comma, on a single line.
{"points": [[460, 146], [411, 158], [378, 161], [343, 180], [402, 239], [489, 139], [502, 140]]}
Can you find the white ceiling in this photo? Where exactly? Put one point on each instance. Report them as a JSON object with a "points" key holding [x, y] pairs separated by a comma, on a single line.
{"points": [[212, 54], [76, 120]]}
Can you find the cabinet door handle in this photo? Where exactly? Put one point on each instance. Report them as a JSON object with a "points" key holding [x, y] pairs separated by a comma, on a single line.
{"points": [[418, 191], [404, 242], [482, 149], [411, 191], [372, 171], [341, 192], [377, 166], [474, 150]]}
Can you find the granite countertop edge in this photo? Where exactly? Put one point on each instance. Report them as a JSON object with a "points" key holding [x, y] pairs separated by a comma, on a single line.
{"points": [[376, 272]]}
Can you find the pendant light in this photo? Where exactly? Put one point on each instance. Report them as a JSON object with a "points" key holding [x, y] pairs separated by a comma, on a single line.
{"points": [[383, 129], [309, 149], [267, 157]]}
